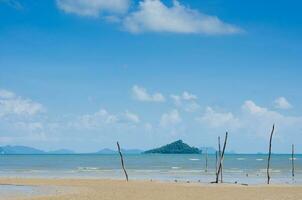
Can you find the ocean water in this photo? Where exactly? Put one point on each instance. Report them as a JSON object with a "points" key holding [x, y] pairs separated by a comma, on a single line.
{"points": [[240, 168]]}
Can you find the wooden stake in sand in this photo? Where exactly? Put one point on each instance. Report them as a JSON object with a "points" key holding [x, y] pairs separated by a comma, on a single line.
{"points": [[221, 158], [206, 170], [269, 155], [219, 150], [122, 160], [293, 161], [216, 163]]}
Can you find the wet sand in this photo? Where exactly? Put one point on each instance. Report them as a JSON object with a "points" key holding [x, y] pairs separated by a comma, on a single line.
{"points": [[81, 189]]}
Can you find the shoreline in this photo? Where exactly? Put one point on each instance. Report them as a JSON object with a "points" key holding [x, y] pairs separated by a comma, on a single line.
{"points": [[150, 190]]}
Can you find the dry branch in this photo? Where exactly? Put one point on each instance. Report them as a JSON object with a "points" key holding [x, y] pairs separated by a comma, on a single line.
{"points": [[222, 156], [122, 160], [293, 161], [216, 162], [269, 155], [219, 148], [206, 170]]}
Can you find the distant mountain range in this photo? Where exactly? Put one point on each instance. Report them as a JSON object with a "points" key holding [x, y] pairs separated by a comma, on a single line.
{"points": [[30, 150], [177, 147], [19, 150], [7, 150]]}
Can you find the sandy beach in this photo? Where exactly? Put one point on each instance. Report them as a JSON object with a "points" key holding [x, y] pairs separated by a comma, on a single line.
{"points": [[80, 189]]}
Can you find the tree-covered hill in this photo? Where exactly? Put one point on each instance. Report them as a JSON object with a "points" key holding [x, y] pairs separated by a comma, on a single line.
{"points": [[177, 147]]}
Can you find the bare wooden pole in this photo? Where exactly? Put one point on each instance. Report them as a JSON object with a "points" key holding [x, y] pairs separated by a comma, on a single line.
{"points": [[269, 155], [216, 162], [222, 156], [206, 170], [122, 160], [219, 148], [293, 161]]}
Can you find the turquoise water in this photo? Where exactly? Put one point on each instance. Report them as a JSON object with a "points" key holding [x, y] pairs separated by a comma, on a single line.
{"points": [[239, 168]]}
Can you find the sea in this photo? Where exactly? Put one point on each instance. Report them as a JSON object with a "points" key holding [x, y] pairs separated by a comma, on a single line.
{"points": [[237, 168]]}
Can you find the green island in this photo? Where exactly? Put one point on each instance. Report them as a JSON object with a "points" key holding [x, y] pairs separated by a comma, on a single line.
{"points": [[177, 147]]}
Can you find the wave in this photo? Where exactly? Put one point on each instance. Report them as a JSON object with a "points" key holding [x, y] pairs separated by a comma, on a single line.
{"points": [[271, 170], [233, 171], [93, 169], [240, 158], [175, 167], [194, 159]]}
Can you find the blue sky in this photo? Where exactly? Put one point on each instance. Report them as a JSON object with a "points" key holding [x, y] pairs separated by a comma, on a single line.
{"points": [[83, 74]]}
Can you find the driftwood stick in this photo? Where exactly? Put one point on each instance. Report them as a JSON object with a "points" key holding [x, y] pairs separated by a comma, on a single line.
{"points": [[206, 170], [293, 161], [219, 148], [222, 156], [216, 162], [122, 160], [269, 155]]}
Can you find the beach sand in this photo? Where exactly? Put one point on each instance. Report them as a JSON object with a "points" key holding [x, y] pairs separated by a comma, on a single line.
{"points": [[80, 189]]}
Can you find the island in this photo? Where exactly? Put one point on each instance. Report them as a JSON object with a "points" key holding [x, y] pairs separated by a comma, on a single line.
{"points": [[177, 147]]}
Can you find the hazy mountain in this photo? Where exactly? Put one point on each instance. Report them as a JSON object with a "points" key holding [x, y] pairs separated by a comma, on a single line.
{"points": [[61, 151], [177, 147], [106, 151], [20, 150], [29, 150]]}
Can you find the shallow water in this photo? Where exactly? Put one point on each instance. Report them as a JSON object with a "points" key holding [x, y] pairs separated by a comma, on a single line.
{"points": [[241, 168]]}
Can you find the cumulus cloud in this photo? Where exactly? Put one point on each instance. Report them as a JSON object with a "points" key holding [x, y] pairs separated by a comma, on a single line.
{"points": [[170, 118], [11, 104], [186, 101], [155, 16], [252, 119], [103, 118], [5, 94], [131, 117], [258, 119], [219, 119], [93, 8], [282, 103], [141, 94], [264, 115], [95, 120]]}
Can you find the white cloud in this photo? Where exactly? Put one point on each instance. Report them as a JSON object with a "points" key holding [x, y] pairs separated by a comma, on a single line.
{"points": [[93, 8], [282, 103], [187, 96], [258, 119], [103, 118], [131, 117], [253, 120], [170, 118], [5, 94], [186, 101], [141, 94], [264, 115], [250, 107], [154, 16], [213, 118], [11, 104], [95, 120]]}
